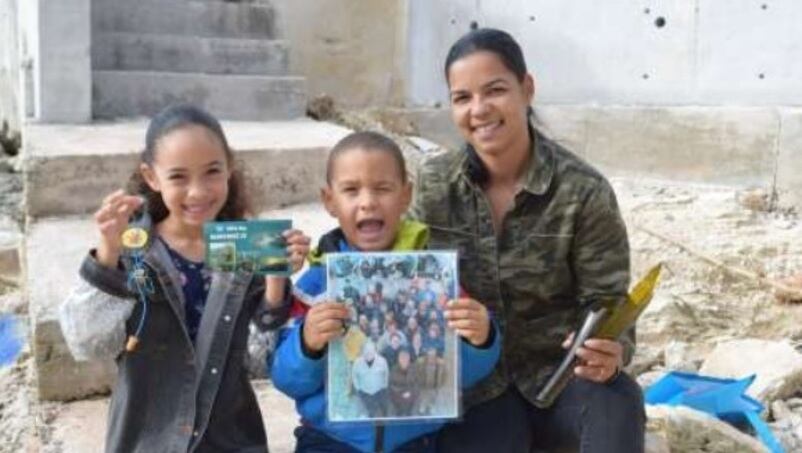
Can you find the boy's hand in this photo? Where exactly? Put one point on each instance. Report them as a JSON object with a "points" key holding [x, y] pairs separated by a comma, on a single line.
{"points": [[469, 319], [111, 220], [297, 249], [600, 359], [323, 322]]}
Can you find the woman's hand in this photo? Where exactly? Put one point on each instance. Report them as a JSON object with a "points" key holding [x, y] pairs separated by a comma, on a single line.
{"points": [[111, 220], [297, 249], [469, 319], [600, 359], [323, 322]]}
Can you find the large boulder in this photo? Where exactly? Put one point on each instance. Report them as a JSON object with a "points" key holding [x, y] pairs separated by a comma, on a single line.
{"points": [[777, 364], [687, 430]]}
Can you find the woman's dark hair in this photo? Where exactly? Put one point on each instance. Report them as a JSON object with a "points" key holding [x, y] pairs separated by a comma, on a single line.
{"points": [[177, 117], [503, 45], [367, 141]]}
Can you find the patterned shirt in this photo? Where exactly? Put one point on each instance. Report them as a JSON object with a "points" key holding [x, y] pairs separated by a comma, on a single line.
{"points": [[562, 249], [195, 282]]}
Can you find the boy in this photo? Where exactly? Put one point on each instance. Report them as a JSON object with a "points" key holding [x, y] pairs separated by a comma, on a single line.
{"points": [[368, 192]]}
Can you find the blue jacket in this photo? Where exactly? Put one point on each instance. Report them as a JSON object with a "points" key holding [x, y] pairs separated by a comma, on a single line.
{"points": [[303, 378]]}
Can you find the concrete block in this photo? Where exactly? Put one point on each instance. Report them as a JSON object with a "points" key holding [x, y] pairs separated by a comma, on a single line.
{"points": [[55, 249], [789, 159], [185, 17], [237, 97], [721, 145], [68, 169], [172, 53]]}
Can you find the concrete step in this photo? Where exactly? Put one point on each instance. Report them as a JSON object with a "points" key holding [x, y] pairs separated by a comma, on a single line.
{"points": [[118, 94], [175, 53], [69, 168], [185, 17], [59, 376]]}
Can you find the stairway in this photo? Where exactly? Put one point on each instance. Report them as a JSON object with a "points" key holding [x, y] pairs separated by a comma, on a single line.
{"points": [[221, 55]]}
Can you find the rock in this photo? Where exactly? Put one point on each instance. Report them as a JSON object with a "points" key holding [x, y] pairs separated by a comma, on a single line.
{"points": [[6, 164], [757, 200], [794, 284], [656, 444], [261, 346], [12, 302], [9, 255], [688, 430], [788, 436], [648, 378], [678, 356], [777, 364], [322, 108], [787, 426]]}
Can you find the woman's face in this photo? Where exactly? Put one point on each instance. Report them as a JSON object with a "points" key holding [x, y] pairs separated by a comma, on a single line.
{"points": [[488, 102]]}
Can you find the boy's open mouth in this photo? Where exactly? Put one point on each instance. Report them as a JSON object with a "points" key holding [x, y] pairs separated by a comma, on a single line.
{"points": [[370, 226]]}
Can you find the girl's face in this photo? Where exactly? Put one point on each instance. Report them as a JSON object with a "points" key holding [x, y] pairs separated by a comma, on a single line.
{"points": [[368, 197], [191, 171], [488, 102]]}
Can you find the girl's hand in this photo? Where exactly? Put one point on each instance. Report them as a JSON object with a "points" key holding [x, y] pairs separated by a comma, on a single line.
{"points": [[111, 220], [297, 248], [600, 359], [469, 319], [324, 322]]}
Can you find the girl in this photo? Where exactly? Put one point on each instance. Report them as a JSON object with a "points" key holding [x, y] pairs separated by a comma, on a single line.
{"points": [[541, 242], [183, 387]]}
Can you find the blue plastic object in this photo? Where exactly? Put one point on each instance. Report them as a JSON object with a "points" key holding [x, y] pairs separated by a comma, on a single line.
{"points": [[11, 339], [725, 399]]}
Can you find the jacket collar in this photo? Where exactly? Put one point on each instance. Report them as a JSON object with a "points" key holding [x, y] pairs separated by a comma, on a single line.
{"points": [[411, 236]]}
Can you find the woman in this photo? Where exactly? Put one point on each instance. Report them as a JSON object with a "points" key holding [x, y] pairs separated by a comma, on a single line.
{"points": [[540, 242]]}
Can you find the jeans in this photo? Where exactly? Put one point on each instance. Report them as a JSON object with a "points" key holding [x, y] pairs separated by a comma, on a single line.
{"points": [[587, 417], [311, 440]]}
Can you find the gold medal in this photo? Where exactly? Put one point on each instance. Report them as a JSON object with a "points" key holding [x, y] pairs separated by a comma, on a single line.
{"points": [[134, 238]]}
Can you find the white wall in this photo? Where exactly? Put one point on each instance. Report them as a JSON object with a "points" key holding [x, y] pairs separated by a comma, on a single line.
{"points": [[709, 52], [9, 65]]}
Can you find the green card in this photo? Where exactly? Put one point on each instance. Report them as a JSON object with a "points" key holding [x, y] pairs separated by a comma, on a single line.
{"points": [[247, 246]]}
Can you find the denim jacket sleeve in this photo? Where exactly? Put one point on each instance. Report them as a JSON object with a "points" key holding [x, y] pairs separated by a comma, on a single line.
{"points": [[93, 317], [293, 372]]}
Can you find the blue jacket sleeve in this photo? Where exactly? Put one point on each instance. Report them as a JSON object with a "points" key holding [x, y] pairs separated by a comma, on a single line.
{"points": [[294, 373], [478, 363]]}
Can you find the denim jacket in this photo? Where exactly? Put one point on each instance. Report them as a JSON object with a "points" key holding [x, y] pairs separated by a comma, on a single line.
{"points": [[171, 395]]}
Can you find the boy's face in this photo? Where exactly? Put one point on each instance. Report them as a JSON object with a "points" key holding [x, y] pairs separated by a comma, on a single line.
{"points": [[368, 197]]}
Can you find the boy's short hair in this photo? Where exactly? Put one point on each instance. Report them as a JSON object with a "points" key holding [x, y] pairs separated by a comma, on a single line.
{"points": [[368, 141]]}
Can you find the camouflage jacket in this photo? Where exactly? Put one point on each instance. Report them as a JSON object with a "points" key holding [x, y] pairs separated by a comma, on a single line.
{"points": [[563, 248]]}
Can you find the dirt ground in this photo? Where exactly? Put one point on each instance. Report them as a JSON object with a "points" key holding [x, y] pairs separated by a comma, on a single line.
{"points": [[696, 304]]}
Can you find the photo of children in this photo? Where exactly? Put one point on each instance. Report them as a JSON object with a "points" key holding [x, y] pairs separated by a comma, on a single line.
{"points": [[396, 360]]}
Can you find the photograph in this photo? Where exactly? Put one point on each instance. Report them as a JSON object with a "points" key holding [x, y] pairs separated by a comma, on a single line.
{"points": [[249, 246], [396, 360]]}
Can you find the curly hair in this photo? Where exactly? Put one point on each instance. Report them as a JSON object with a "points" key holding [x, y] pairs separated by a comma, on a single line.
{"points": [[237, 205]]}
